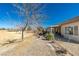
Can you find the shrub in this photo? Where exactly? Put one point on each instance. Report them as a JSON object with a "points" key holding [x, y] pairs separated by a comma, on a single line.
{"points": [[50, 36]]}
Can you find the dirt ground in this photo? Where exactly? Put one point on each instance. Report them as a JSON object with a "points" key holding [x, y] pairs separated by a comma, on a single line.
{"points": [[6, 35], [71, 47], [30, 46]]}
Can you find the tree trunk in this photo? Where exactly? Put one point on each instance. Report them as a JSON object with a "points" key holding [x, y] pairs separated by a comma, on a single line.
{"points": [[22, 34], [23, 31]]}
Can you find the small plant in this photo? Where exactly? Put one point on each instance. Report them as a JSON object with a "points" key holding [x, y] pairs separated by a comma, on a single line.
{"points": [[49, 36]]}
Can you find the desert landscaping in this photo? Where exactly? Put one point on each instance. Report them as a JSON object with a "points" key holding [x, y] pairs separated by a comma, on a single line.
{"points": [[32, 29], [7, 37], [11, 44]]}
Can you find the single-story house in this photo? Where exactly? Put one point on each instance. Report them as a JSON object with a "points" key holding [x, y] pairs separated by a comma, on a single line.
{"points": [[69, 29]]}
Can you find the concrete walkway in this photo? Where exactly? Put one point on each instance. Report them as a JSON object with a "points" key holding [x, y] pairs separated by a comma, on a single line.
{"points": [[36, 48]]}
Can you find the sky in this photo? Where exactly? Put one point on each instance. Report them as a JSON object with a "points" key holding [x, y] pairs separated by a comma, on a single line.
{"points": [[56, 13]]}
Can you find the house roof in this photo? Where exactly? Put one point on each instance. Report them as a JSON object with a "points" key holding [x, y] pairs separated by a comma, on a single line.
{"points": [[75, 19]]}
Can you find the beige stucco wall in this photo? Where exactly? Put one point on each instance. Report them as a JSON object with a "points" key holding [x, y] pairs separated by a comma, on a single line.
{"points": [[72, 37]]}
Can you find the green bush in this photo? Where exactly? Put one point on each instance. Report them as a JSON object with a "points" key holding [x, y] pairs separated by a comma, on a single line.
{"points": [[50, 36]]}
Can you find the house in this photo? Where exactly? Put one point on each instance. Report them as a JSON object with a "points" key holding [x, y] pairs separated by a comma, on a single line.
{"points": [[54, 29], [68, 29]]}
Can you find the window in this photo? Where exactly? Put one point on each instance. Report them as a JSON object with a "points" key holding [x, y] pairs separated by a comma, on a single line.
{"points": [[72, 30], [66, 30], [69, 30], [75, 30]]}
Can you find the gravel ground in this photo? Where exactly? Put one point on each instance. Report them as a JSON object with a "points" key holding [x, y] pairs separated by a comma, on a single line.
{"points": [[37, 47], [71, 47], [40, 48]]}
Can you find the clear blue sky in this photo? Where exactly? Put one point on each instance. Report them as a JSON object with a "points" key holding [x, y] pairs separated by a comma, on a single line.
{"points": [[57, 13]]}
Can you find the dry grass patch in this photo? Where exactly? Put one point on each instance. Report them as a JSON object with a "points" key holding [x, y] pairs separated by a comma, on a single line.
{"points": [[21, 46]]}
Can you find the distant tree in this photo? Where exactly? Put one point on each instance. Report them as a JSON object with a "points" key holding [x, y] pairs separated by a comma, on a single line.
{"points": [[29, 28], [2, 29]]}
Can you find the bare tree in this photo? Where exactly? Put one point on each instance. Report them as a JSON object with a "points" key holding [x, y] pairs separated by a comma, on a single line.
{"points": [[31, 13]]}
